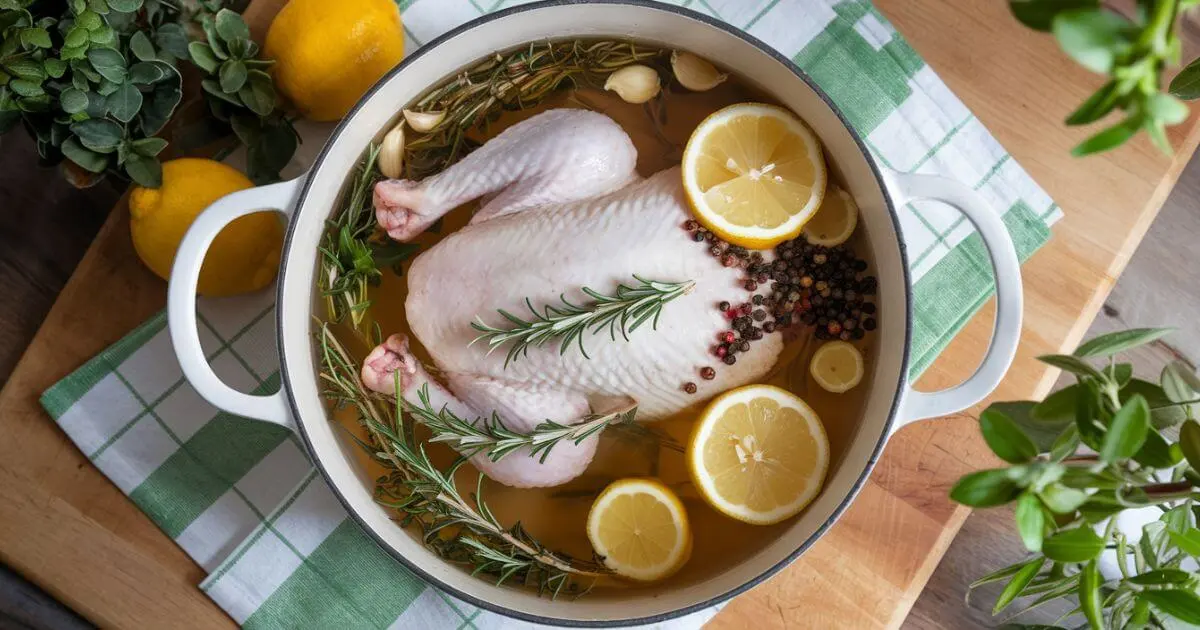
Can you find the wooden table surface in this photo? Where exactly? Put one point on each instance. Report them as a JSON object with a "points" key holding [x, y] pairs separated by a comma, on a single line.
{"points": [[64, 526]]}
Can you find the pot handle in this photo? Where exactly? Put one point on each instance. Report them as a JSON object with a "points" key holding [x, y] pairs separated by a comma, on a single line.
{"points": [[181, 301], [1006, 332]]}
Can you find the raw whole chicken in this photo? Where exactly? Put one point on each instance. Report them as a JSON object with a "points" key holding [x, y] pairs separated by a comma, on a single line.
{"points": [[563, 209]]}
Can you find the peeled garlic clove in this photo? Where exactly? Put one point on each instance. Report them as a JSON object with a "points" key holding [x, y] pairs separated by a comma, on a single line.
{"points": [[423, 122], [695, 73], [391, 153], [634, 84]]}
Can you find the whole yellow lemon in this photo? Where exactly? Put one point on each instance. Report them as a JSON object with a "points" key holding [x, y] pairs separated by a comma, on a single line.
{"points": [[245, 255], [328, 53]]}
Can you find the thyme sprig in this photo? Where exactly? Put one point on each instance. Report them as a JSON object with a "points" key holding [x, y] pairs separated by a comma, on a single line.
{"points": [[623, 312], [494, 439], [515, 80], [352, 252], [456, 528]]}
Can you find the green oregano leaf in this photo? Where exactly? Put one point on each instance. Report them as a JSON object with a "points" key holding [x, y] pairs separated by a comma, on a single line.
{"points": [[1097, 105], [1161, 576], [98, 134], [149, 147], [230, 26], [55, 67], [86, 159], [232, 76], [202, 55], [77, 36], [1065, 445], [36, 37], [1186, 84], [171, 39], [73, 101], [108, 62], [125, 102], [144, 170], [1093, 37], [1107, 139], [1039, 14], [125, 6], [1062, 499], [141, 47], [1180, 383], [89, 20]]}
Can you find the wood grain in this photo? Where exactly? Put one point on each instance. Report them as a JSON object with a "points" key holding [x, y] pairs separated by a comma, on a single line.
{"points": [[83, 541]]}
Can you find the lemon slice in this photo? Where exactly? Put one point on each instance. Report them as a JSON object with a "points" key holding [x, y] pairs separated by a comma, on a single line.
{"points": [[753, 174], [758, 454], [834, 221], [640, 529], [837, 366]]}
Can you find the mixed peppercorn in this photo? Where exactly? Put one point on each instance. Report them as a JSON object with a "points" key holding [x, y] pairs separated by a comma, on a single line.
{"points": [[805, 284]]}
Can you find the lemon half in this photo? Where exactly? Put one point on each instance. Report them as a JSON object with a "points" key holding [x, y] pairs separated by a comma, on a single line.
{"points": [[758, 454], [753, 174], [641, 529]]}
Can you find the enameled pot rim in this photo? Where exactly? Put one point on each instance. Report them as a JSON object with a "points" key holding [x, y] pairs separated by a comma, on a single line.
{"points": [[900, 385]]}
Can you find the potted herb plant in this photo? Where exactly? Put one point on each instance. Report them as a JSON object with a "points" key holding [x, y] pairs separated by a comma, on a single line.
{"points": [[1105, 477]]}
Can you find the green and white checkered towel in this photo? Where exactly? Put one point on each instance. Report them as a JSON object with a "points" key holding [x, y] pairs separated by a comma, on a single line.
{"points": [[241, 497]]}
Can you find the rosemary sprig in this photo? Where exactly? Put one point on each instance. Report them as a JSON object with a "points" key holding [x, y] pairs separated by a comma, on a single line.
{"points": [[454, 527], [623, 312], [518, 79], [493, 438]]}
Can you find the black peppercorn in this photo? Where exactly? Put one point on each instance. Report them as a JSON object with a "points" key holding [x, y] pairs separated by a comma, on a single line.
{"points": [[730, 359], [750, 285], [691, 225], [761, 277], [845, 335], [860, 265], [849, 323], [858, 333], [724, 306], [868, 308], [850, 295], [698, 237], [768, 327], [817, 300], [689, 387], [756, 257], [715, 250], [707, 373], [759, 315], [779, 265], [744, 345], [757, 300], [755, 334], [869, 323], [837, 294]]}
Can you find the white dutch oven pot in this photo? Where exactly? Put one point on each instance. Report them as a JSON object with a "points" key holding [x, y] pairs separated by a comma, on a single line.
{"points": [[308, 201]]}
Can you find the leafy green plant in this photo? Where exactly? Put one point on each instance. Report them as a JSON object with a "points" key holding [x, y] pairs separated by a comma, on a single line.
{"points": [[241, 94], [1078, 460], [1133, 53], [96, 81]]}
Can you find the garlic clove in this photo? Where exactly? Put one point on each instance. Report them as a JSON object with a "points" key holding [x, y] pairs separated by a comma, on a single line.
{"points": [[695, 73], [634, 84], [391, 152], [423, 122]]}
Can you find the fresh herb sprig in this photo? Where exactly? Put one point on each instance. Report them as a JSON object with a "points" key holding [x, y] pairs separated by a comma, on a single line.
{"points": [[352, 251], [495, 440], [1080, 459], [1133, 53], [457, 528], [93, 81], [516, 80], [624, 312], [241, 94]]}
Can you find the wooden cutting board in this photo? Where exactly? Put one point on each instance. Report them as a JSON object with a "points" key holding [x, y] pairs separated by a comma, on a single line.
{"points": [[64, 526]]}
